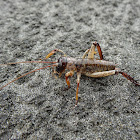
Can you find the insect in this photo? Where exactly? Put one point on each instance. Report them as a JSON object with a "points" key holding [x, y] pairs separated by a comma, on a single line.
{"points": [[87, 65]]}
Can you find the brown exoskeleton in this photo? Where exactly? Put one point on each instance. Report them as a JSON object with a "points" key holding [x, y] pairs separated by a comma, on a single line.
{"points": [[87, 65]]}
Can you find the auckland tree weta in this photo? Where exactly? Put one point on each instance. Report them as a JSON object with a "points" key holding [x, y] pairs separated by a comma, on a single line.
{"points": [[87, 65]]}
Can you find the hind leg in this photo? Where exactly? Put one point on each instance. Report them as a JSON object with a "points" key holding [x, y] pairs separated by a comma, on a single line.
{"points": [[91, 52], [99, 49], [128, 77]]}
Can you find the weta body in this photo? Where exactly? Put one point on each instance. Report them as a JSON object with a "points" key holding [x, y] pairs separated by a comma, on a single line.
{"points": [[87, 65]]}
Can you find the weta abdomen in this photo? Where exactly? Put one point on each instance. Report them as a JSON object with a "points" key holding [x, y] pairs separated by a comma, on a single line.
{"points": [[92, 66]]}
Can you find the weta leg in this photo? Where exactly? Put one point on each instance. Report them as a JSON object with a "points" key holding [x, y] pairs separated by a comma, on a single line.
{"points": [[91, 52], [67, 75], [99, 49], [54, 72], [101, 74], [78, 81], [128, 77], [85, 54], [53, 52]]}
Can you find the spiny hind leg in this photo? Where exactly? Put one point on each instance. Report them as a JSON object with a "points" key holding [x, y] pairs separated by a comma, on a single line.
{"points": [[91, 52], [128, 77], [112, 72], [85, 53], [101, 74], [99, 49]]}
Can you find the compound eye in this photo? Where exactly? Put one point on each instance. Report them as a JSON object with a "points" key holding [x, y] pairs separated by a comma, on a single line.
{"points": [[61, 64]]}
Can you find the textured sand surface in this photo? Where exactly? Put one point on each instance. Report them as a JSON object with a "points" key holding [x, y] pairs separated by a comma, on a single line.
{"points": [[36, 106]]}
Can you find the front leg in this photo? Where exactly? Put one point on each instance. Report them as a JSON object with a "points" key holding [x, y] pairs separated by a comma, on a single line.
{"points": [[53, 52], [78, 81], [67, 75]]}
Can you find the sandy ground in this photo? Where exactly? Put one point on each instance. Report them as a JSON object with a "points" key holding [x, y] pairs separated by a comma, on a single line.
{"points": [[36, 106]]}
